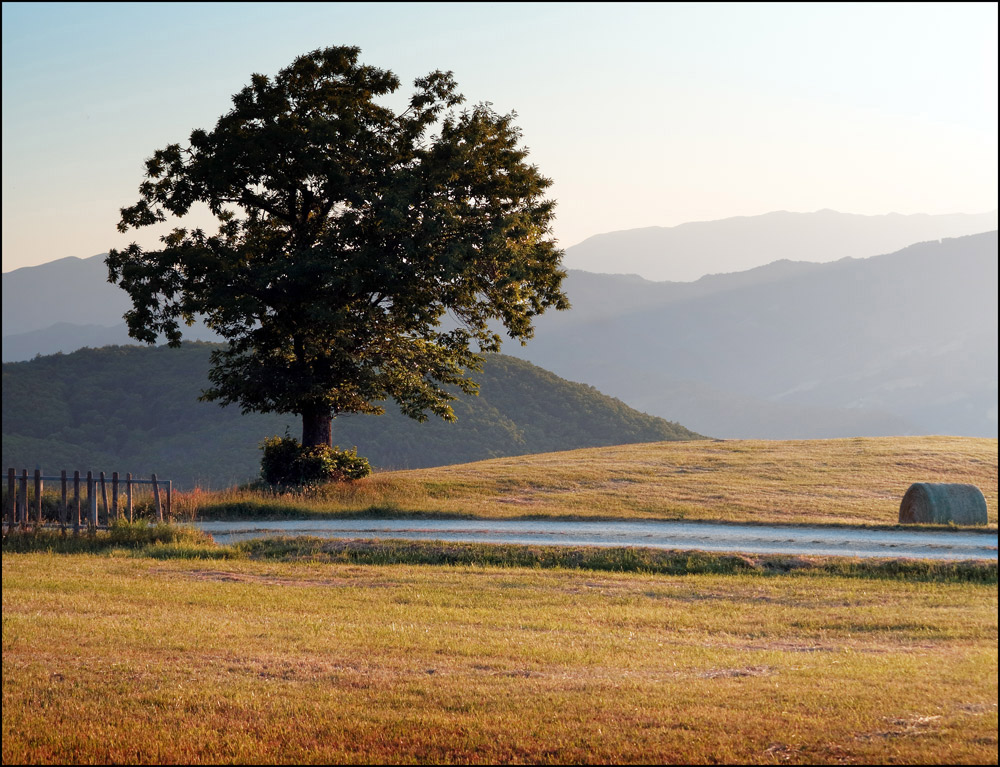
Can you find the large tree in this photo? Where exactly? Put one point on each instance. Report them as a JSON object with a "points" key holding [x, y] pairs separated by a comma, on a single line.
{"points": [[347, 231]]}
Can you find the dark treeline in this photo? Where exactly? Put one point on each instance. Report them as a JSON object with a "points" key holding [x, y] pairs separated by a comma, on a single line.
{"points": [[132, 408]]}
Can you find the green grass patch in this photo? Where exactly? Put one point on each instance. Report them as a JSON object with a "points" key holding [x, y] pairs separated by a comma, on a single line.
{"points": [[179, 542], [610, 559]]}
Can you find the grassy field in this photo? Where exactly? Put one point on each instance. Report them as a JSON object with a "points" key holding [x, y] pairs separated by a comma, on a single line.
{"points": [[125, 659], [847, 481], [154, 645]]}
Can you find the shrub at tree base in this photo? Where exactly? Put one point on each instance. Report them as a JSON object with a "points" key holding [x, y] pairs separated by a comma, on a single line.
{"points": [[287, 462]]}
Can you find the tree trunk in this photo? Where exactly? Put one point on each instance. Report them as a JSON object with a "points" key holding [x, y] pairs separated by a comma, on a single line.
{"points": [[317, 427]]}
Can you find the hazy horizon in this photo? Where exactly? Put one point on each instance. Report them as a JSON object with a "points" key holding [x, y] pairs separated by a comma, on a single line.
{"points": [[642, 114], [616, 267]]}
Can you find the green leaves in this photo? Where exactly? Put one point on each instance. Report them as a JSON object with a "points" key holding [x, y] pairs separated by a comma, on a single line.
{"points": [[346, 232]]}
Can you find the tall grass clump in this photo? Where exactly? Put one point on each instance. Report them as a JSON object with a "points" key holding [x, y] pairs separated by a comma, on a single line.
{"points": [[141, 536], [378, 495]]}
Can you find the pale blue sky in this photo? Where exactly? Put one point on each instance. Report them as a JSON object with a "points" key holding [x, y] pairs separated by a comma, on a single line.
{"points": [[642, 114]]}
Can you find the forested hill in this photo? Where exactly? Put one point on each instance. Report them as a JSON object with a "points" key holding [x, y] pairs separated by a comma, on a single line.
{"points": [[131, 408]]}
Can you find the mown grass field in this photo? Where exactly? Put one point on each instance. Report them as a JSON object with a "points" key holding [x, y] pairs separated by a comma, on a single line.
{"points": [[121, 659], [846, 481], [156, 646]]}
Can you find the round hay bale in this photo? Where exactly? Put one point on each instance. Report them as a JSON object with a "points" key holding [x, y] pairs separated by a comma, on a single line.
{"points": [[941, 503]]}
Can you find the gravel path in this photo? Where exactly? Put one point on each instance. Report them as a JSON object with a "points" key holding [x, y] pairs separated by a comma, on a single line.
{"points": [[753, 539]]}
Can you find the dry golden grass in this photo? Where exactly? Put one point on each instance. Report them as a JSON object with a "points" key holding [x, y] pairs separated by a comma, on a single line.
{"points": [[843, 481], [126, 658], [135, 660]]}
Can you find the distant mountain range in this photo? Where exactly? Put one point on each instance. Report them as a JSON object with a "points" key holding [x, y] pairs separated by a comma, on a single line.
{"points": [[65, 305], [904, 343], [48, 299], [689, 251], [896, 344], [131, 408]]}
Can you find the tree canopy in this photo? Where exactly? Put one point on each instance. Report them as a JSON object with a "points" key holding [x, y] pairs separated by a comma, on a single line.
{"points": [[347, 231]]}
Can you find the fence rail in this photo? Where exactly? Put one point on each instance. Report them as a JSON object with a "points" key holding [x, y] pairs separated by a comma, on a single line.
{"points": [[70, 509]]}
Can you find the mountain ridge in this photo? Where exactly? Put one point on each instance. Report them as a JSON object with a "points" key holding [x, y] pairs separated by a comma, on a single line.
{"points": [[887, 339], [685, 252]]}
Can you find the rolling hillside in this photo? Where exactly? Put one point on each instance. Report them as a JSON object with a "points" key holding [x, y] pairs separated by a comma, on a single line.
{"points": [[807, 482], [131, 408]]}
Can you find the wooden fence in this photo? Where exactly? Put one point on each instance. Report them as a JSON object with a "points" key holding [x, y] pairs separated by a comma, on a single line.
{"points": [[21, 507]]}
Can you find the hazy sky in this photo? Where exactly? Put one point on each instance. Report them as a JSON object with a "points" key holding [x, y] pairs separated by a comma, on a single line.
{"points": [[642, 114]]}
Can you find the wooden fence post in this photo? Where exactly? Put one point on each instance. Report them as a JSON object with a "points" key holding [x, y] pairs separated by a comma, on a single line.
{"points": [[38, 497], [128, 494], [91, 501], [104, 499], [24, 498], [156, 497], [114, 492], [11, 498], [76, 502], [64, 508]]}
